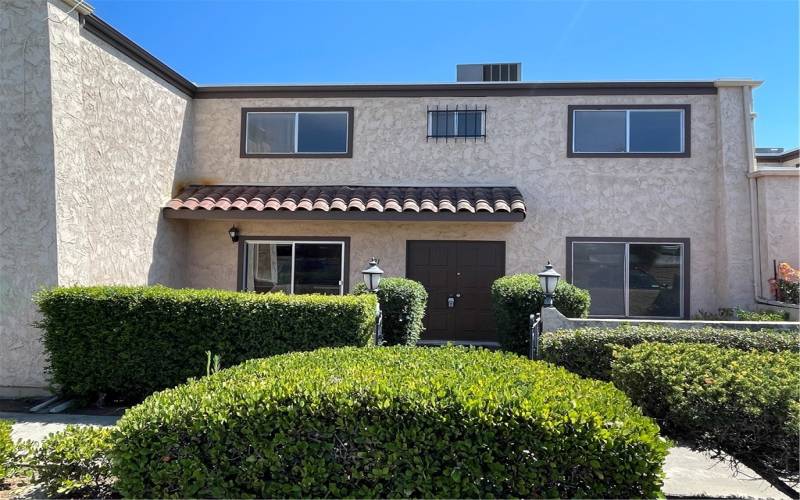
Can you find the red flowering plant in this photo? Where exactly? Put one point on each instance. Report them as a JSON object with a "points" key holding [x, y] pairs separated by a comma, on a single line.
{"points": [[786, 285]]}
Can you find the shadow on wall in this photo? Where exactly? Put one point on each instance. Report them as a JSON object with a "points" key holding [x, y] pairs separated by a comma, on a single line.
{"points": [[169, 245]]}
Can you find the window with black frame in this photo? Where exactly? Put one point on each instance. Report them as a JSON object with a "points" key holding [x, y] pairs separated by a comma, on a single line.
{"points": [[638, 279], [456, 123], [619, 131]]}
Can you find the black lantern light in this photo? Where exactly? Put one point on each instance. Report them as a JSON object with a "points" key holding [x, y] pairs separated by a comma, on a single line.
{"points": [[372, 275], [549, 279], [233, 232]]}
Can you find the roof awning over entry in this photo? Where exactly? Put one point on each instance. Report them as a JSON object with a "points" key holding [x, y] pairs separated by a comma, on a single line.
{"points": [[487, 204]]}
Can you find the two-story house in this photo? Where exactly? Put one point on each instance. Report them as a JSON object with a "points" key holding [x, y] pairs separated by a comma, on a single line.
{"points": [[116, 169]]}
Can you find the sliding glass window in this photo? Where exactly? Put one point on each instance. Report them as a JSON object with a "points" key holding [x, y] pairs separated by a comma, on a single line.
{"points": [[631, 279], [294, 267]]}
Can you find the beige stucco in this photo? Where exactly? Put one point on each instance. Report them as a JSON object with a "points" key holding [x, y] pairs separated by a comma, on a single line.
{"points": [[525, 147], [94, 145], [28, 257], [779, 213]]}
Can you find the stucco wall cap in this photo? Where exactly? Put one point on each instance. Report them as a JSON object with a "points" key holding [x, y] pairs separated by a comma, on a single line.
{"points": [[775, 172], [737, 82], [80, 6]]}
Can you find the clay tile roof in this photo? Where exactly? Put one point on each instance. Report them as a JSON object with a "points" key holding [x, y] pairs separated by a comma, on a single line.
{"points": [[349, 202]]}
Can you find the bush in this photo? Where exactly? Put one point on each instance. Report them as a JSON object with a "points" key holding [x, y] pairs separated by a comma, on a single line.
{"points": [[6, 448], [743, 315], [131, 341], [738, 314], [73, 463], [403, 304], [589, 351], [389, 422], [518, 296], [743, 403]]}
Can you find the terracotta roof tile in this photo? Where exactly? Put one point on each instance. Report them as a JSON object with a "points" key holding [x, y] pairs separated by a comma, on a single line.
{"points": [[491, 200]]}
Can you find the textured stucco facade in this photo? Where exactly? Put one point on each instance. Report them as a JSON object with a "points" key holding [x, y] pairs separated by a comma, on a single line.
{"points": [[95, 143], [85, 131], [28, 253], [525, 147], [779, 213]]}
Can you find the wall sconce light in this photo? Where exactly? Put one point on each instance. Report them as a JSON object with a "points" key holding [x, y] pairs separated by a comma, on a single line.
{"points": [[233, 232]]}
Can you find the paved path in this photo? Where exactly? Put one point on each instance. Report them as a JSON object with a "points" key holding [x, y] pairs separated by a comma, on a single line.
{"points": [[688, 473]]}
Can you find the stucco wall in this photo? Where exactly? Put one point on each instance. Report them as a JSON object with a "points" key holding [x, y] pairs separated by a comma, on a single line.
{"points": [[27, 208], [122, 140], [92, 144], [526, 147], [779, 221]]}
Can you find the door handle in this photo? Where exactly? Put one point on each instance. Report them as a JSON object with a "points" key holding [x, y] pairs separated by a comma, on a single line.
{"points": [[451, 302]]}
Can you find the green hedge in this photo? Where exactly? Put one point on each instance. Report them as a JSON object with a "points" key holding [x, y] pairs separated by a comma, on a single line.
{"points": [[73, 463], [389, 422], [131, 341], [403, 304], [518, 296], [6, 448], [744, 403], [589, 351]]}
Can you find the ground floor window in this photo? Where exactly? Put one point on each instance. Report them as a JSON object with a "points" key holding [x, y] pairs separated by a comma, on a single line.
{"points": [[631, 278], [292, 266]]}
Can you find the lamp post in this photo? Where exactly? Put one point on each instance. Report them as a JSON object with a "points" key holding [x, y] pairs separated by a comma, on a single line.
{"points": [[372, 278], [549, 279]]}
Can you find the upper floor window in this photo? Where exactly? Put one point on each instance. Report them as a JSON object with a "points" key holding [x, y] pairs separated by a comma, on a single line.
{"points": [[297, 132], [628, 131], [446, 123]]}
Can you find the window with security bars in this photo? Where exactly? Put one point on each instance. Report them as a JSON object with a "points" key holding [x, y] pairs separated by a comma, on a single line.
{"points": [[457, 123]]}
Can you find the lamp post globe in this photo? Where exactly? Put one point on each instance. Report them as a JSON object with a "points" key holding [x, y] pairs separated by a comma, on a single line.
{"points": [[548, 278], [372, 275]]}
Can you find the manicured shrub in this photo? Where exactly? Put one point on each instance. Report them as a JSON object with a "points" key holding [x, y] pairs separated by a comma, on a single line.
{"points": [[743, 403], [389, 422], [589, 351], [518, 296], [403, 304], [73, 463], [739, 314], [131, 341], [6, 448]]}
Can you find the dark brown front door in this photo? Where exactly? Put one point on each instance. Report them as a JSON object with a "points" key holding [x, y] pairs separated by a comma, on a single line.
{"points": [[458, 276]]}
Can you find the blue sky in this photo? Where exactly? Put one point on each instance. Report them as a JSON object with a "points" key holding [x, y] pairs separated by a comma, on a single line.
{"points": [[418, 41]]}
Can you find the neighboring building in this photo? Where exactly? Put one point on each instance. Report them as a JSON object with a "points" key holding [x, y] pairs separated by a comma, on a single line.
{"points": [[118, 170]]}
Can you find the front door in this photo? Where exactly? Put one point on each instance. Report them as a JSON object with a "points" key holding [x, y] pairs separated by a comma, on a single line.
{"points": [[458, 276]]}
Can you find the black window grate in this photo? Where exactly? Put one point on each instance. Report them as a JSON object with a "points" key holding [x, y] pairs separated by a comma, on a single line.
{"points": [[461, 122]]}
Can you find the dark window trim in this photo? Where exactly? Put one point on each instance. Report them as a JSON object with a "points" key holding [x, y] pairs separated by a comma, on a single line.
{"points": [[687, 125], [436, 110], [343, 239], [687, 261], [243, 132]]}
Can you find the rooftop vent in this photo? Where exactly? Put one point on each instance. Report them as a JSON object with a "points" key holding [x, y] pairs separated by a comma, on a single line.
{"points": [[501, 72]]}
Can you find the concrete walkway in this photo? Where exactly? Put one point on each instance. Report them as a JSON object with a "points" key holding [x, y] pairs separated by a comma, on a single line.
{"points": [[688, 473]]}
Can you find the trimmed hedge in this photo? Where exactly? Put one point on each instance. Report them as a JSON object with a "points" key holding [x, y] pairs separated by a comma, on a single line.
{"points": [[744, 403], [403, 304], [389, 422], [6, 448], [518, 296], [73, 463], [131, 341], [589, 351]]}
